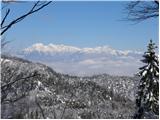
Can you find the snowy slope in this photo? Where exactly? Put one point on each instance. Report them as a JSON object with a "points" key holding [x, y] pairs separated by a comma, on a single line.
{"points": [[54, 95]]}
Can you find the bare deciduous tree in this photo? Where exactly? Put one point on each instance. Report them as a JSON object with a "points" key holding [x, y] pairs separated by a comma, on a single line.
{"points": [[12, 82], [138, 11], [5, 26]]}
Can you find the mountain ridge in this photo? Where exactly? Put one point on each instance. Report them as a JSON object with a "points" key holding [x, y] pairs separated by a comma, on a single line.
{"points": [[99, 60], [56, 48]]}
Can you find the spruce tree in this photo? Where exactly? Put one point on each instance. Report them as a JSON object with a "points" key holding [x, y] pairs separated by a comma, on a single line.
{"points": [[147, 98]]}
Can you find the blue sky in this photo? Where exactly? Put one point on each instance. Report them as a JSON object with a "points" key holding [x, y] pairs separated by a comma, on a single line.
{"points": [[81, 24]]}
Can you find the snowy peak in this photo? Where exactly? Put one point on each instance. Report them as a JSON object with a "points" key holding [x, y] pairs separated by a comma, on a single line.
{"points": [[39, 47], [53, 48], [84, 61]]}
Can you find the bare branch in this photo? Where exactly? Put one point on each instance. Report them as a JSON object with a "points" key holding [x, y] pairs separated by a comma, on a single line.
{"points": [[64, 109], [157, 2], [36, 7], [41, 110], [11, 83], [3, 20], [141, 10], [8, 85]]}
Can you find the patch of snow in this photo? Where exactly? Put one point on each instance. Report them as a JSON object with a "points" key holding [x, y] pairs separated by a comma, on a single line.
{"points": [[39, 83], [154, 80], [79, 117], [89, 102], [62, 101], [47, 90], [144, 73], [110, 98], [6, 60]]}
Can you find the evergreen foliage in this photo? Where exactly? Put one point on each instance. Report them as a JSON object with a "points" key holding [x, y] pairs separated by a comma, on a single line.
{"points": [[147, 98]]}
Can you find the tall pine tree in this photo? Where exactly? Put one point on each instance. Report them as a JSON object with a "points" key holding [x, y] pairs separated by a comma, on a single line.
{"points": [[147, 98]]}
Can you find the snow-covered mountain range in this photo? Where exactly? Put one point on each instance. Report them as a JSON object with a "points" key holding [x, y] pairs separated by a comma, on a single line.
{"points": [[85, 61], [53, 49]]}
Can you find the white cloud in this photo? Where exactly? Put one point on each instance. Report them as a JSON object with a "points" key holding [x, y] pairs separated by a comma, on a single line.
{"points": [[85, 61]]}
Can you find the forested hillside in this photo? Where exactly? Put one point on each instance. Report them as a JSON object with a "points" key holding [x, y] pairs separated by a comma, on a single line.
{"points": [[33, 90]]}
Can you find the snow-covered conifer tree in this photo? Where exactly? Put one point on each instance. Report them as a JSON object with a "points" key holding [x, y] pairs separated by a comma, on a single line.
{"points": [[147, 99]]}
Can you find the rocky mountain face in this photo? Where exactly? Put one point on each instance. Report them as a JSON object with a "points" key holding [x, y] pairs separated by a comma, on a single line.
{"points": [[33, 90]]}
